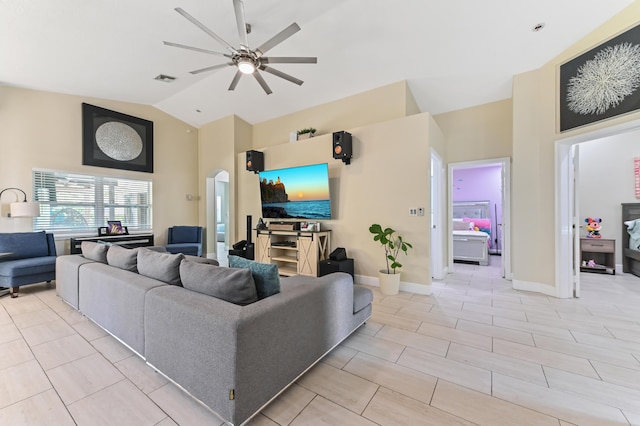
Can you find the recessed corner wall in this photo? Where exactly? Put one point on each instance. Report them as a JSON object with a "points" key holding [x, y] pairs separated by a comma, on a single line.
{"points": [[388, 175]]}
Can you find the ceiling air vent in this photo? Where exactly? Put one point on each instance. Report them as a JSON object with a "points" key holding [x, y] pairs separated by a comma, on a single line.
{"points": [[165, 78]]}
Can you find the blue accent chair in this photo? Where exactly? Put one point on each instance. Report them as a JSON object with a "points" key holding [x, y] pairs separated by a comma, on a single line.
{"points": [[185, 240], [26, 258]]}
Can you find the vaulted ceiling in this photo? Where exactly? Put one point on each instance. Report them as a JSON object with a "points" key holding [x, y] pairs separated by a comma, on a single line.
{"points": [[454, 54]]}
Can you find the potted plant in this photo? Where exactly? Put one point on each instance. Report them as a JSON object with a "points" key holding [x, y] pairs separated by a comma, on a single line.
{"points": [[306, 133], [393, 246]]}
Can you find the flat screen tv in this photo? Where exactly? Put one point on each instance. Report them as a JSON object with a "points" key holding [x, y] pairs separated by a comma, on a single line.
{"points": [[296, 193]]}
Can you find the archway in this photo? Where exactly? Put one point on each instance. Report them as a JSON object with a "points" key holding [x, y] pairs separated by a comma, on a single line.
{"points": [[217, 216]]}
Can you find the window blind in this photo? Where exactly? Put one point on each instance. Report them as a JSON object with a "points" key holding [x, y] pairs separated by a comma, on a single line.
{"points": [[72, 202]]}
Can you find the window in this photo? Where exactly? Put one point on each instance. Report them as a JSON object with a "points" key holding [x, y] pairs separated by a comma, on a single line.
{"points": [[72, 203]]}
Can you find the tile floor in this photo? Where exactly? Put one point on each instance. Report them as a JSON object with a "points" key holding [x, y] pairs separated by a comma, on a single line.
{"points": [[474, 352]]}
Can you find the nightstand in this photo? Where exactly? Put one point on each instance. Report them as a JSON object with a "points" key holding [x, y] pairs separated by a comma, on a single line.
{"points": [[602, 251]]}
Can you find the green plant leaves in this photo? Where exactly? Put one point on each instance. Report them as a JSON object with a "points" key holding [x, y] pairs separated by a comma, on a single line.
{"points": [[391, 243]]}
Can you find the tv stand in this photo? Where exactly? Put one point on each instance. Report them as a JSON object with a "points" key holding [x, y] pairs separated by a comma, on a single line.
{"points": [[295, 252]]}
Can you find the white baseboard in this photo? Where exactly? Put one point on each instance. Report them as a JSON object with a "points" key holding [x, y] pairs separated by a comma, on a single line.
{"points": [[404, 286], [534, 287]]}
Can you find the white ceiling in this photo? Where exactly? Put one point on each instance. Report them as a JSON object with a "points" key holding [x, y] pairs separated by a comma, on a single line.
{"points": [[454, 54]]}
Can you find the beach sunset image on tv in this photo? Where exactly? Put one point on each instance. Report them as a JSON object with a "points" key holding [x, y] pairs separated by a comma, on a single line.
{"points": [[296, 192]]}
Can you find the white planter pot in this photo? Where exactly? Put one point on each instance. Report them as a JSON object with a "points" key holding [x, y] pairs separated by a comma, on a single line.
{"points": [[389, 283]]}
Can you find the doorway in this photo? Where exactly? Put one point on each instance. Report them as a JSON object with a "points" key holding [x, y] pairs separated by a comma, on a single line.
{"points": [[568, 213], [217, 214], [487, 182]]}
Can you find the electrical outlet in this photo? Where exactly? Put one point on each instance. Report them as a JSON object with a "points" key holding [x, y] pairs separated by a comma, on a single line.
{"points": [[412, 212]]}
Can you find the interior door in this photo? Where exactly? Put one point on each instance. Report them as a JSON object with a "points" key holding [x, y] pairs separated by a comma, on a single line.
{"points": [[575, 151], [437, 227]]}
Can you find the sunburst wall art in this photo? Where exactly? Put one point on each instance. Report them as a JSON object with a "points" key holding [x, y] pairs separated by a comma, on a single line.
{"points": [[601, 83]]}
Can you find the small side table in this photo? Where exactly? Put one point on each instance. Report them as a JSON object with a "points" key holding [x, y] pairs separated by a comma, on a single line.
{"points": [[3, 291], [602, 251]]}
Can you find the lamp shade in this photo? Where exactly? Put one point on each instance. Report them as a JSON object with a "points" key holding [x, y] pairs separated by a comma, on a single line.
{"points": [[25, 209]]}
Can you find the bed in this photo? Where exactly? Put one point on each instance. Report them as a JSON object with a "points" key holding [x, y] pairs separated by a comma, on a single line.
{"points": [[630, 257], [471, 232]]}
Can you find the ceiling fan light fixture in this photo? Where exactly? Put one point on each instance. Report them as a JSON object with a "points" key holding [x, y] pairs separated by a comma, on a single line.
{"points": [[246, 66]]}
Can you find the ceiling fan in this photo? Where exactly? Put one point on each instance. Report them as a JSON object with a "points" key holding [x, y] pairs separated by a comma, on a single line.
{"points": [[247, 60]]}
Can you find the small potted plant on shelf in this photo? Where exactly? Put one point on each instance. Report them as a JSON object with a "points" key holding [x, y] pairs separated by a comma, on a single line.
{"points": [[306, 133], [393, 246]]}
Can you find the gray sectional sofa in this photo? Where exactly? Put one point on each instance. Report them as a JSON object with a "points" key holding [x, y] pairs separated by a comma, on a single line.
{"points": [[234, 358]]}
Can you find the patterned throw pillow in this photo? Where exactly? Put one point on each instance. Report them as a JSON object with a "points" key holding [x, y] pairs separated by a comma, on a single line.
{"points": [[265, 276]]}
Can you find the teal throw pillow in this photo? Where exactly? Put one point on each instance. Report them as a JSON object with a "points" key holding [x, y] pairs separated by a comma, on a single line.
{"points": [[265, 276]]}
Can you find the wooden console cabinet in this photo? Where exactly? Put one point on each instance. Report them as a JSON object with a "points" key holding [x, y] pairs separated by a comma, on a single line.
{"points": [[600, 250], [295, 252]]}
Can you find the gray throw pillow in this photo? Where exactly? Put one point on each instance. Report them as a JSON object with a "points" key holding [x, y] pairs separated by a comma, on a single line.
{"points": [[163, 267], [265, 276], [198, 259], [123, 258], [229, 284], [94, 251]]}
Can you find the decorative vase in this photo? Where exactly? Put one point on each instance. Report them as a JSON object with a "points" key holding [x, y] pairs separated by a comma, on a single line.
{"points": [[389, 283]]}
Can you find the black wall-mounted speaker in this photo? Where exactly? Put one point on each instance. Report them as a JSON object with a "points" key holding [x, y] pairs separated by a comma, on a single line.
{"points": [[342, 146], [255, 161]]}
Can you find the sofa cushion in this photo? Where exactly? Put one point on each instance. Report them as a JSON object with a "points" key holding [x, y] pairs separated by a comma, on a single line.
{"points": [[199, 259], [123, 258], [230, 284], [265, 276], [362, 297], [24, 245], [31, 266], [184, 234], [163, 267], [191, 249], [94, 251]]}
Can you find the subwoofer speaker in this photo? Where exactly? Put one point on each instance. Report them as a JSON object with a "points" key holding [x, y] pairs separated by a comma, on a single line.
{"points": [[342, 146], [255, 161], [338, 254]]}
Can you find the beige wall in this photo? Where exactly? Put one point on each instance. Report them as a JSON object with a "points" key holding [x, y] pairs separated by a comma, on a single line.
{"points": [[43, 130], [374, 106], [478, 133], [388, 175], [534, 138], [218, 145]]}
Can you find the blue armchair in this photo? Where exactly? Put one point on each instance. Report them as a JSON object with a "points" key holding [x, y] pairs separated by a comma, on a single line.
{"points": [[26, 258], [185, 240]]}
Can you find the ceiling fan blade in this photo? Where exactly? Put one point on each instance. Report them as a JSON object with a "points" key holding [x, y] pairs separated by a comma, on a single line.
{"points": [[211, 68], [263, 83], [282, 75], [288, 60], [236, 79], [238, 6], [196, 49], [278, 38], [200, 25]]}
